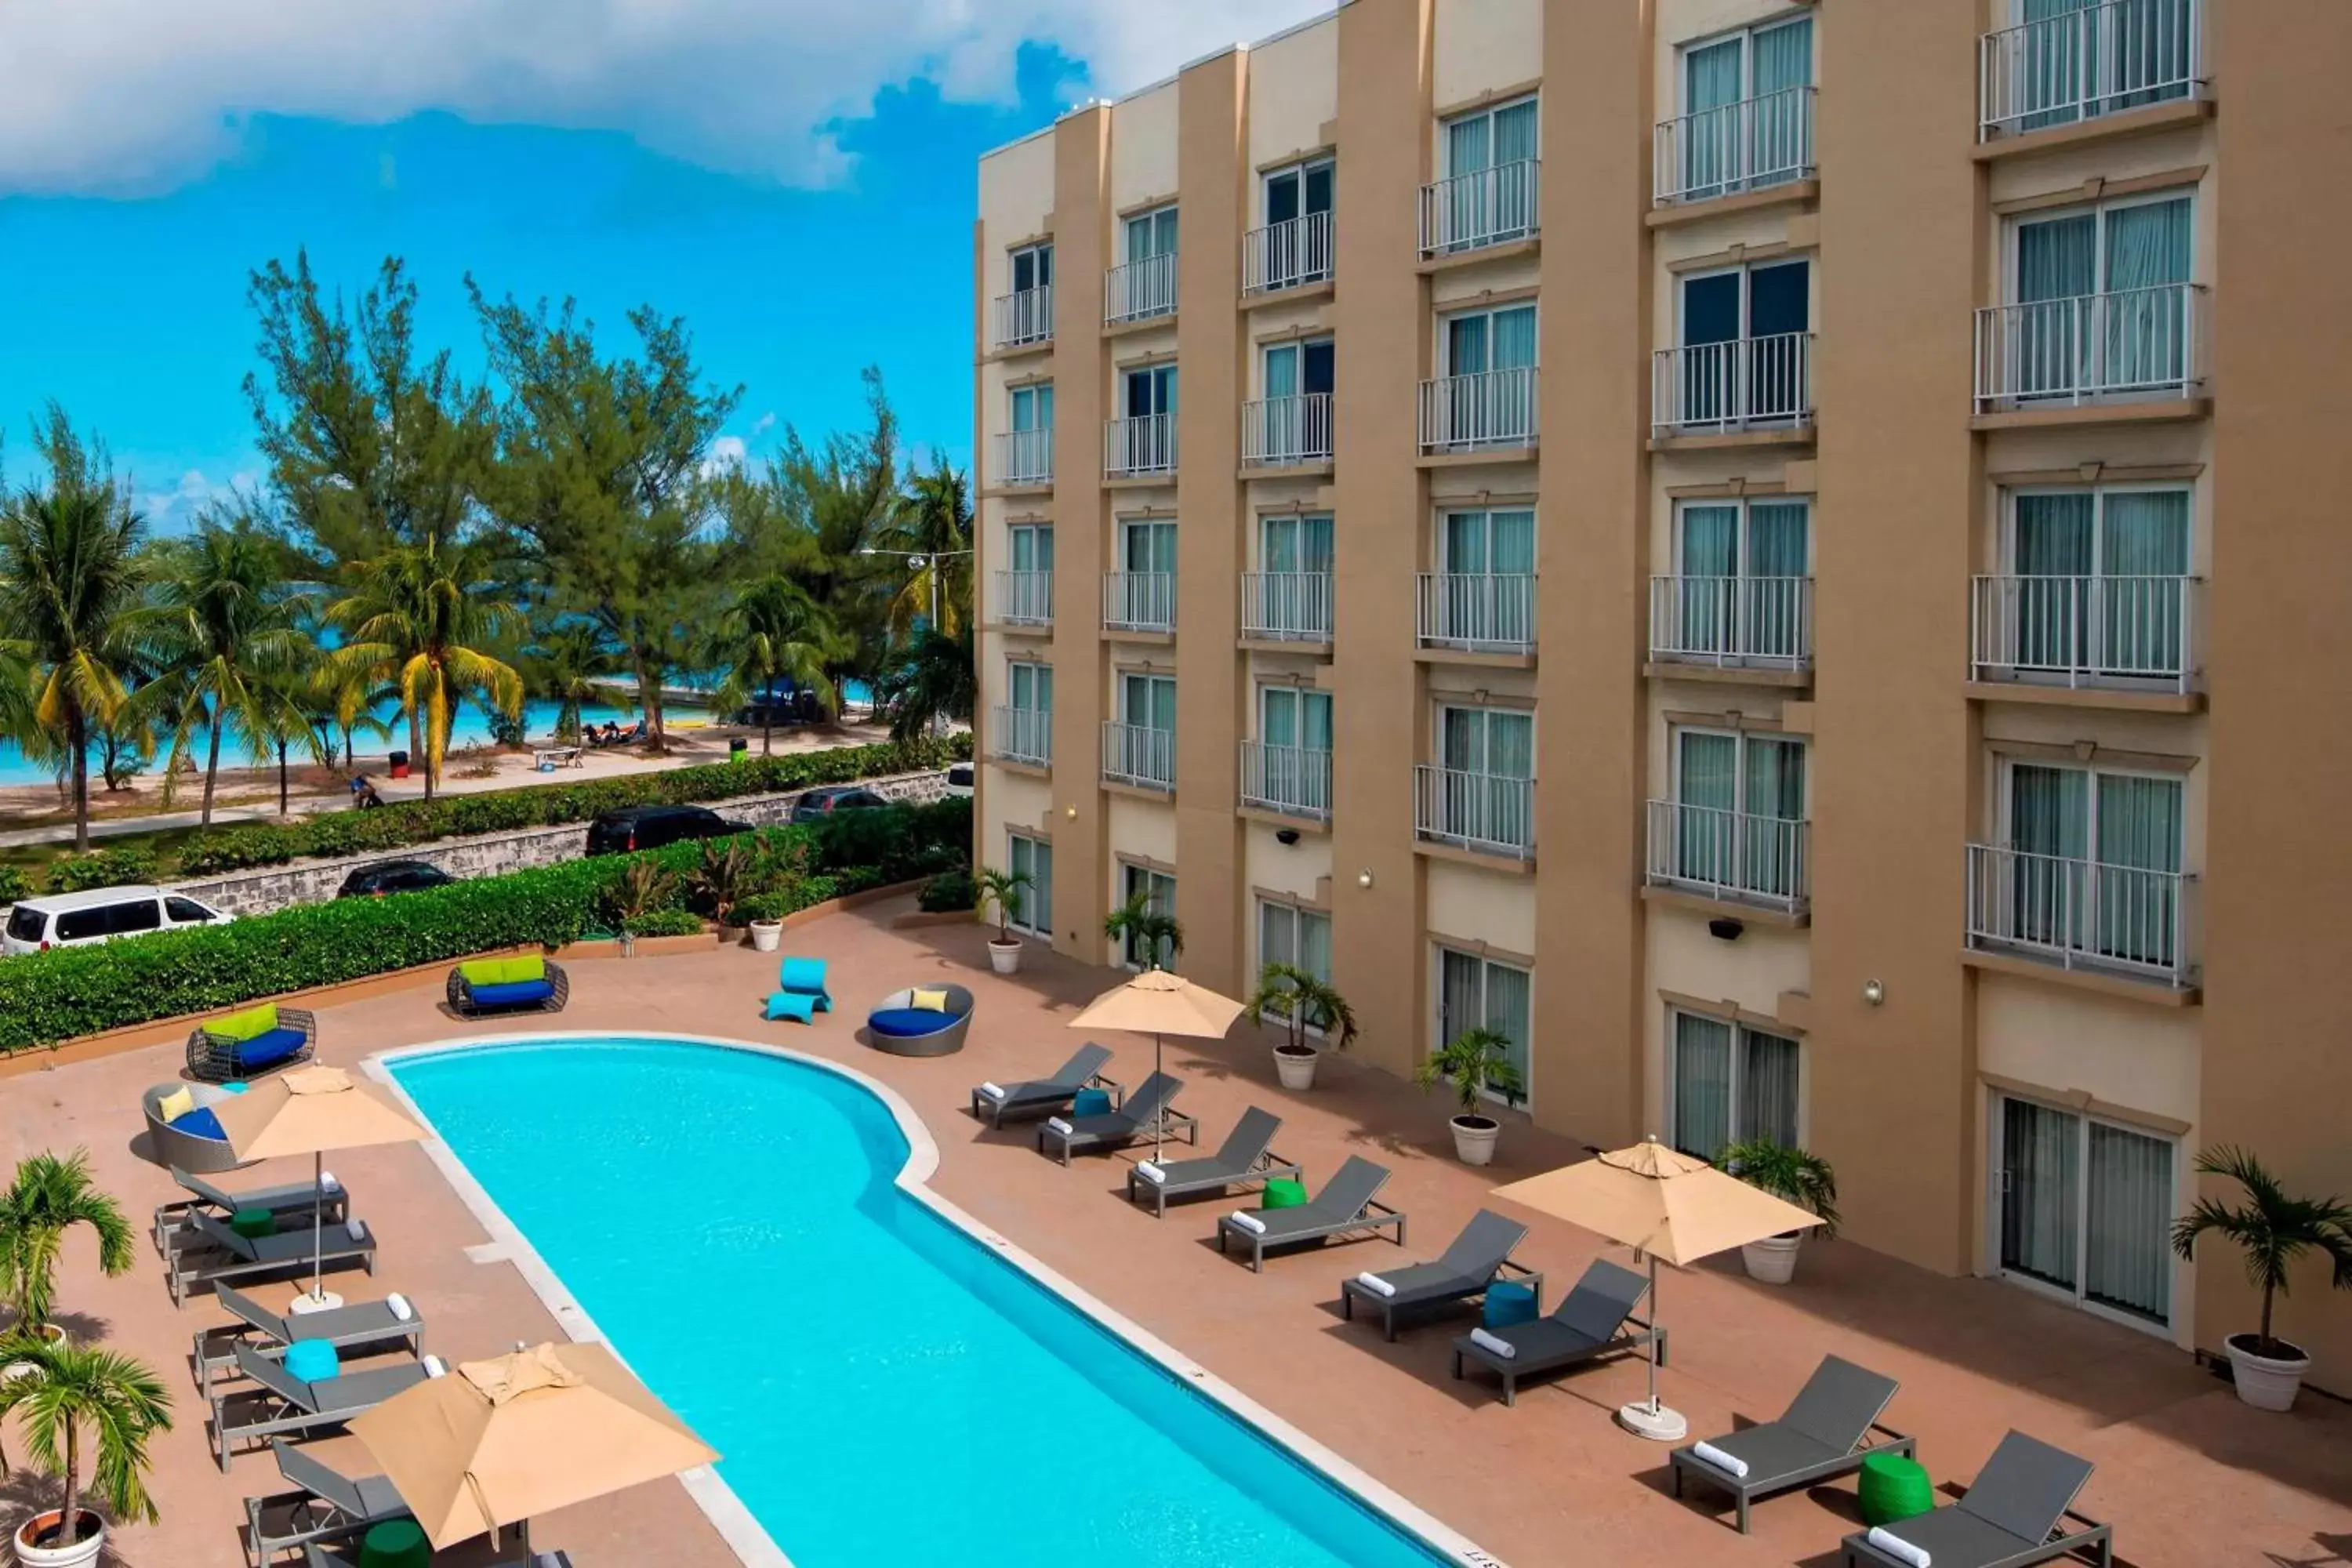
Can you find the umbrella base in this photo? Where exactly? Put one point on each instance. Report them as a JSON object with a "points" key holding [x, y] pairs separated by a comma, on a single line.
{"points": [[1662, 1423], [308, 1302]]}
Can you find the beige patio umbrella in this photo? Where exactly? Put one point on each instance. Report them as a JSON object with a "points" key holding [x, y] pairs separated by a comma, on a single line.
{"points": [[1158, 1003], [497, 1442], [1664, 1205], [311, 1111]]}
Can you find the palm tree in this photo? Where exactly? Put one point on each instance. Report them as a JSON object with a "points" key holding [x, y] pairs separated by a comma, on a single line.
{"points": [[425, 619], [1302, 1000], [570, 662], [2271, 1228], [931, 522], [773, 631], [49, 1196], [1474, 1061], [1005, 889], [1797, 1175], [70, 1394], [937, 681], [69, 579], [343, 699], [1152, 936]]}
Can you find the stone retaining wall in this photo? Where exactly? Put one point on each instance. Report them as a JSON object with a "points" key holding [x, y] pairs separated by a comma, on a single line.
{"points": [[495, 854]]}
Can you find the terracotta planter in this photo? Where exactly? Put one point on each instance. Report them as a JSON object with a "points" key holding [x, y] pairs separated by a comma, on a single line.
{"points": [[767, 935], [1773, 1260], [1294, 1065], [1005, 957], [1475, 1138], [2266, 1382], [79, 1554]]}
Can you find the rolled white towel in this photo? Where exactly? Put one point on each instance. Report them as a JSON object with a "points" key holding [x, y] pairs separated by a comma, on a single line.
{"points": [[1729, 1464], [1372, 1281], [1496, 1342], [1058, 1125], [326, 1182], [1150, 1172], [434, 1367], [1895, 1546], [358, 1229], [400, 1306], [1249, 1222], [994, 1092]]}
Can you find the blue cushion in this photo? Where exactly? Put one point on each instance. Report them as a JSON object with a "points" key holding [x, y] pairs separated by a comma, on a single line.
{"points": [[235, 1088], [909, 1023], [513, 994], [802, 975], [792, 1004], [1091, 1102], [201, 1123], [1507, 1304], [312, 1360], [268, 1048]]}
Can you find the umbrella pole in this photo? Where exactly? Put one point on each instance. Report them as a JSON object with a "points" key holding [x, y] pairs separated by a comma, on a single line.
{"points": [[1653, 1346], [1648, 1417], [317, 1224], [1159, 1127]]}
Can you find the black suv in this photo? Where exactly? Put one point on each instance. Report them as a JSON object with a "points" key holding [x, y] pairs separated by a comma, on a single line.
{"points": [[392, 877], [826, 799], [651, 826]]}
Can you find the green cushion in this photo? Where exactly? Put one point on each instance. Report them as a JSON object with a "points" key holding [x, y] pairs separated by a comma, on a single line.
{"points": [[534, 967], [253, 1222], [246, 1024], [483, 971], [1892, 1487], [1282, 1193], [395, 1543]]}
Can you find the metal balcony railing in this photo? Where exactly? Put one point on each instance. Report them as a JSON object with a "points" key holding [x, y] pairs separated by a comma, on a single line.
{"points": [[1140, 601], [1139, 755], [1024, 457], [2081, 64], [1024, 317], [1743, 146], [1485, 812], [2126, 632], [1286, 606], [1139, 290], [2081, 914], [2131, 344], [1287, 255], [1757, 623], [1745, 384], [1024, 598], [1295, 780], [1022, 735], [1734, 855], [1143, 445], [1478, 612], [1492, 410], [1481, 208], [1281, 431]]}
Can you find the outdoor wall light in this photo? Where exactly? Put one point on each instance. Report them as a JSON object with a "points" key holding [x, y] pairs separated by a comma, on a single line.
{"points": [[1285, 836], [1071, 812], [1364, 878], [1874, 992]]}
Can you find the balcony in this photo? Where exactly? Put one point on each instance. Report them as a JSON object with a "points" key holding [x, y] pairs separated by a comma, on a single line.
{"points": [[1139, 756], [1023, 735], [1139, 448], [1140, 602], [1284, 432], [1730, 388], [1730, 857], [2118, 634], [1289, 780], [1485, 813], [1483, 208], [1477, 611], [1024, 598], [1732, 623], [1493, 411], [1140, 291], [2086, 64], [2081, 915], [2133, 345], [1287, 255], [1750, 145], [1024, 317], [1286, 606], [1022, 458]]}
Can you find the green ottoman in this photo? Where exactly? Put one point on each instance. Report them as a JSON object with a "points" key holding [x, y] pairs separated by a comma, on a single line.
{"points": [[1282, 1193], [251, 1223], [1892, 1487], [396, 1543]]}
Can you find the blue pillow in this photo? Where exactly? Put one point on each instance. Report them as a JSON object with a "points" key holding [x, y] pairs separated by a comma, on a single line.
{"points": [[1091, 1102], [312, 1360], [201, 1123], [1507, 1304]]}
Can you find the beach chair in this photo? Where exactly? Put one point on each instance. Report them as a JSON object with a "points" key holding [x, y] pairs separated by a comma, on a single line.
{"points": [[211, 1252], [1825, 1434], [1245, 1156], [325, 1504], [2017, 1514], [292, 1202], [1344, 1207], [364, 1323], [1590, 1323], [1460, 1276], [992, 1103], [281, 1405], [1143, 1111]]}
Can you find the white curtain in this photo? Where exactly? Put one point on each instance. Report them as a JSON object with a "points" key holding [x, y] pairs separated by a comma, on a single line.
{"points": [[2128, 1263], [2041, 1191], [1780, 136], [1514, 338], [1506, 1011], [1702, 1085], [1767, 1087], [1707, 779], [1711, 93], [1035, 858], [2148, 246]]}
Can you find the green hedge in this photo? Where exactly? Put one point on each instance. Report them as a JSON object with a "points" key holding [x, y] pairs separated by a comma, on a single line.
{"points": [[114, 867], [68, 991]]}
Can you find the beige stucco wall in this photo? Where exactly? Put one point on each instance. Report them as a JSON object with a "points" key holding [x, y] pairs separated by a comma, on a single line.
{"points": [[1143, 148], [1293, 93], [1016, 202], [1484, 45], [1681, 956]]}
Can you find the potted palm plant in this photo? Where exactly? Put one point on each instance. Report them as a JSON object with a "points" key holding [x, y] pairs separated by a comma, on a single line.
{"points": [[2272, 1230], [1301, 1002], [1476, 1062], [47, 1198], [86, 1415], [1006, 890], [1794, 1176], [1153, 935]]}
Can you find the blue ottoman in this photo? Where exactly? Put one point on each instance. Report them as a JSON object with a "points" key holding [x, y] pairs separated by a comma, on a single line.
{"points": [[312, 1360], [1091, 1102], [792, 1004], [1509, 1304]]}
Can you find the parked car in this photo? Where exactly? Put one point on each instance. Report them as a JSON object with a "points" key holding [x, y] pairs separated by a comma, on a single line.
{"points": [[651, 826], [959, 779], [826, 799], [392, 877], [72, 919]]}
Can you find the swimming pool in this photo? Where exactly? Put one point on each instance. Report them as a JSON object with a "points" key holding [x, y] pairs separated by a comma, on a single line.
{"points": [[885, 1385]]}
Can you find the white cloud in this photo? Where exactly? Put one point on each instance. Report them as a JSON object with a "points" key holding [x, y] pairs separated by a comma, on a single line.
{"points": [[724, 452], [176, 509], [141, 94]]}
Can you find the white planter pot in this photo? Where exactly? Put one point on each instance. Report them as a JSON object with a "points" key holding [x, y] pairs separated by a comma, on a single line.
{"points": [[767, 935], [81, 1554], [1296, 1069], [1005, 957], [1475, 1138], [2266, 1382], [1773, 1260]]}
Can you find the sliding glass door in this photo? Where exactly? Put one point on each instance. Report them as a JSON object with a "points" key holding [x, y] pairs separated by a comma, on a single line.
{"points": [[2086, 1208]]}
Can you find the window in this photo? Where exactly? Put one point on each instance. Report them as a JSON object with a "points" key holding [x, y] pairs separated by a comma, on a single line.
{"points": [[1730, 1084], [1148, 701], [1481, 793], [1742, 344], [1292, 769], [1741, 570], [1739, 809], [1158, 889], [2099, 298], [80, 925], [1485, 395], [187, 911], [1035, 857], [1488, 196], [2063, 61], [1486, 544], [2095, 861], [1299, 370], [1032, 268], [1145, 442], [1033, 407], [1483, 594], [1293, 421], [1147, 546], [1145, 286], [1151, 234], [1747, 108], [1149, 390], [2086, 1208], [1299, 937], [1030, 685], [1294, 543], [1026, 314], [1475, 993], [2097, 581], [1028, 711], [1473, 342], [129, 919], [1030, 547], [1295, 247]]}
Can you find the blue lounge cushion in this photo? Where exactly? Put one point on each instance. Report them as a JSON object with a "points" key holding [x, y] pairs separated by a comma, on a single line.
{"points": [[268, 1048], [1509, 1304], [312, 1360], [1091, 1102], [805, 975], [201, 1123], [513, 994], [909, 1023], [792, 1004]]}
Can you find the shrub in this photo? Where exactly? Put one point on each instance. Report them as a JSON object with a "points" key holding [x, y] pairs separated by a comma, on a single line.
{"points": [[948, 892], [103, 869], [14, 884], [217, 854], [665, 923], [805, 893]]}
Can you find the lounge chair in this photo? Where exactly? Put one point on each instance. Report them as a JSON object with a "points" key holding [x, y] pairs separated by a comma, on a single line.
{"points": [[805, 977], [294, 1201], [920, 1020], [1344, 1207], [345, 1328], [992, 1103], [190, 1138], [2015, 1515], [1142, 1112], [282, 1404], [482, 986], [214, 1253], [1826, 1433], [1461, 1274], [259, 1040], [1246, 1156], [317, 1555], [1590, 1323], [326, 1504]]}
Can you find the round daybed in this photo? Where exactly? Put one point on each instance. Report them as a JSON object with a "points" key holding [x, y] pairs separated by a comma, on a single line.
{"points": [[194, 1141], [897, 1026]]}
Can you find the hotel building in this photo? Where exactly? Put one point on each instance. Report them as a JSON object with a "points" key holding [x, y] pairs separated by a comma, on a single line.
{"points": [[1779, 554]]}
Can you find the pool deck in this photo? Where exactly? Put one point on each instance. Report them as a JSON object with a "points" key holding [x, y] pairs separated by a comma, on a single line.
{"points": [[2190, 1477]]}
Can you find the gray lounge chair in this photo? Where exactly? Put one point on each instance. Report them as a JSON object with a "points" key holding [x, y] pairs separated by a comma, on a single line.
{"points": [[281, 1405], [295, 1201], [1045, 1096], [1589, 1322], [1146, 1109], [345, 1328], [1459, 1275], [347, 1556], [214, 1253], [1826, 1433], [1246, 1156], [2014, 1516], [326, 1504], [1344, 1207]]}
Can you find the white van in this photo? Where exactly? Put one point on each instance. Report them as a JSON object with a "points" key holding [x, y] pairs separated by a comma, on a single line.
{"points": [[69, 919]]}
